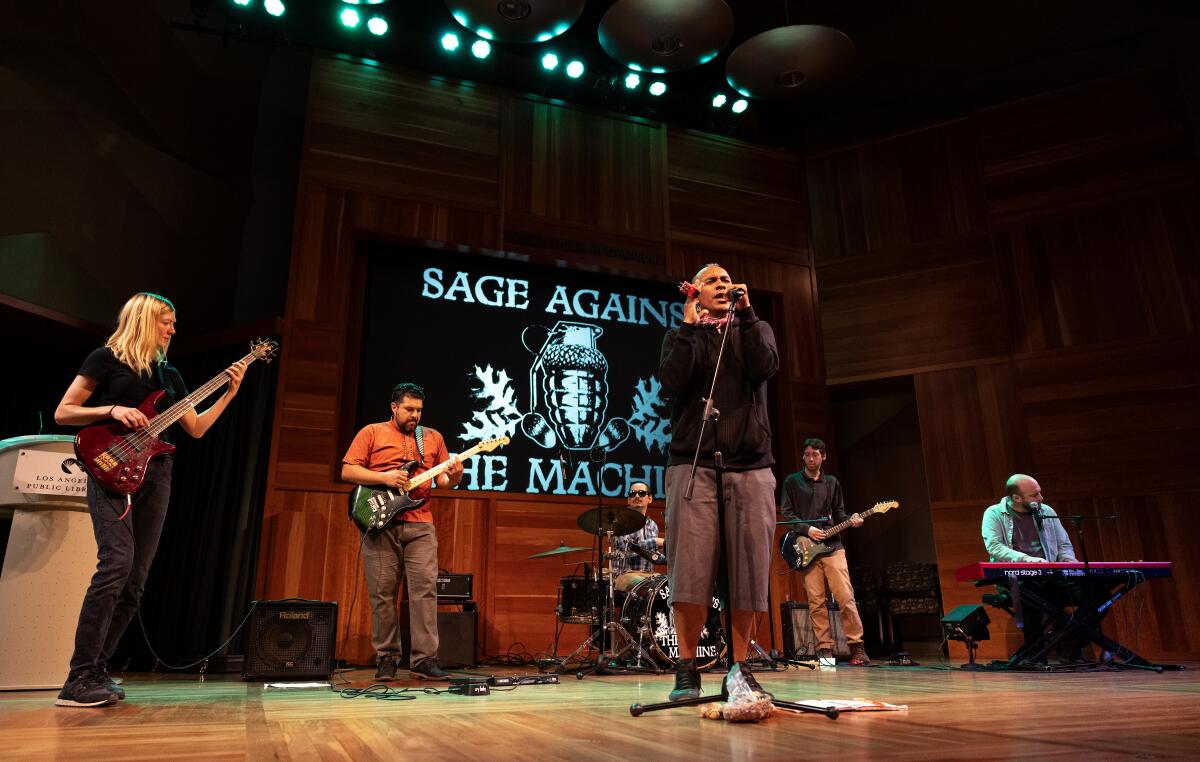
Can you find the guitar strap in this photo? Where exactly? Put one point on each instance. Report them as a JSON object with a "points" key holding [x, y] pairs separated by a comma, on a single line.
{"points": [[419, 436]]}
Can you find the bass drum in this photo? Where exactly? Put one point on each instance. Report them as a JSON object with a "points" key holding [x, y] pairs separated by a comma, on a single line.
{"points": [[647, 615]]}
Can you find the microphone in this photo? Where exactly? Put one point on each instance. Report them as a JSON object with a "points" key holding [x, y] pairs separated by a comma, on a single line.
{"points": [[735, 294], [1036, 509]]}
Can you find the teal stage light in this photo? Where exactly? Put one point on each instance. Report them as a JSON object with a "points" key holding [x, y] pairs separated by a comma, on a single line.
{"points": [[632, 80], [740, 105], [575, 69], [719, 100], [450, 42], [377, 25], [481, 49], [274, 7], [242, 3], [350, 18], [549, 62], [658, 88]]}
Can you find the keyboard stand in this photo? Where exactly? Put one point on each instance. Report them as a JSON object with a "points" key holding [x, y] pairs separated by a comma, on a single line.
{"points": [[1085, 621]]}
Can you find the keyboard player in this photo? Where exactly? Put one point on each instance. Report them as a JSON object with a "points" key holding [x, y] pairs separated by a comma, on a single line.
{"points": [[1021, 528]]}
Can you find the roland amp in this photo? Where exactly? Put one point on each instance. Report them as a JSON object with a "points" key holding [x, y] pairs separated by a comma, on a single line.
{"points": [[291, 640], [452, 588], [799, 640]]}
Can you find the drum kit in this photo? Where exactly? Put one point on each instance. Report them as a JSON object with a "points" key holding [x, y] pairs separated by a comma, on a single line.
{"points": [[633, 625]]}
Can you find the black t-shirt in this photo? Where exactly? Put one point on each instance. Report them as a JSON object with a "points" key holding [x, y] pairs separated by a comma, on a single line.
{"points": [[118, 384]]}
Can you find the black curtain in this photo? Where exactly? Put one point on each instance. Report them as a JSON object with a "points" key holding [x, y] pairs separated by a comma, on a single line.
{"points": [[202, 582]]}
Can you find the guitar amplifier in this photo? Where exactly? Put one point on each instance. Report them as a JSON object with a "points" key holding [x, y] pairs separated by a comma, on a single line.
{"points": [[456, 636], [454, 587], [799, 640], [291, 640]]}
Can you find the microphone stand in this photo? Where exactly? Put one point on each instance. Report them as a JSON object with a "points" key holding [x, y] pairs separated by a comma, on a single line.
{"points": [[713, 414]]}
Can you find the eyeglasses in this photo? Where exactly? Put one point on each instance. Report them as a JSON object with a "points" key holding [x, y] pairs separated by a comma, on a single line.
{"points": [[639, 493]]}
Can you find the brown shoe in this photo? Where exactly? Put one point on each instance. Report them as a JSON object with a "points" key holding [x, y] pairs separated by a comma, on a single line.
{"points": [[858, 656], [824, 653]]}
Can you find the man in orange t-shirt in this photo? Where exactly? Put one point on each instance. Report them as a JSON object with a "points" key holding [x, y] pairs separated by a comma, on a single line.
{"points": [[375, 458]]}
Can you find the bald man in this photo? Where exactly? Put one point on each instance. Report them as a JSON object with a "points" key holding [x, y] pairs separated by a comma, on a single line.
{"points": [[1011, 532]]}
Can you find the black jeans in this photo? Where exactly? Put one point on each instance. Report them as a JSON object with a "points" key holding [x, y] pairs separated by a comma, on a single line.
{"points": [[124, 551]]}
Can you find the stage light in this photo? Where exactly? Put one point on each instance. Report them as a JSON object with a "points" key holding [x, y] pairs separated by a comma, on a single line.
{"points": [[549, 62], [658, 88], [545, 37], [461, 18], [274, 7], [740, 105], [575, 69], [632, 80], [377, 25], [350, 18], [719, 100], [481, 49], [635, 67], [242, 3], [969, 624], [484, 32], [450, 42]]}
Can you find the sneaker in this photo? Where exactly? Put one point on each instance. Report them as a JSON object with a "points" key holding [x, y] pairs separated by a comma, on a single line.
{"points": [[751, 682], [687, 681], [112, 683], [428, 669], [824, 653], [86, 690], [385, 668], [858, 655]]}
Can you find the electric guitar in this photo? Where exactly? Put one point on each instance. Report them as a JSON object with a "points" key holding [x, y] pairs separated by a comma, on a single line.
{"points": [[799, 550], [117, 456], [374, 508]]}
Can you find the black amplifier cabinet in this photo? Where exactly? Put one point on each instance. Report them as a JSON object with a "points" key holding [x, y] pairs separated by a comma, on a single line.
{"points": [[454, 587]]}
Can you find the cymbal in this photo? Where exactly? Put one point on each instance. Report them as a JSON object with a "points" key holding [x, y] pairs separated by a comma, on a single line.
{"points": [[620, 519], [558, 551]]}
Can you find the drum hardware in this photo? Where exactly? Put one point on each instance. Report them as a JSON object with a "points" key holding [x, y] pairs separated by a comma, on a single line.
{"points": [[609, 523]]}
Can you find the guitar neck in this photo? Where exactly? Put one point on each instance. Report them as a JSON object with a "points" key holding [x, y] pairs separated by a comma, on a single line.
{"points": [[441, 468], [839, 527], [159, 423]]}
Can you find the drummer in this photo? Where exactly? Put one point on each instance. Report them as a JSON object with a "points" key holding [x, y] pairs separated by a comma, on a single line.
{"points": [[630, 568]]}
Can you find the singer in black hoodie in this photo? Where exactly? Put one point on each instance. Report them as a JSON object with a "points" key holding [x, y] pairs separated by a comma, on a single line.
{"points": [[743, 436]]}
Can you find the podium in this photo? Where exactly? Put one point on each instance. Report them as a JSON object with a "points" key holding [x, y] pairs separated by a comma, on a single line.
{"points": [[48, 563]]}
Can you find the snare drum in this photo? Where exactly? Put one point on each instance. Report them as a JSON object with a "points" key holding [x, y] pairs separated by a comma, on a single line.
{"points": [[579, 599], [648, 616]]}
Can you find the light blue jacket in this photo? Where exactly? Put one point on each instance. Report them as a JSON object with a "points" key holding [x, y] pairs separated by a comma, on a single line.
{"points": [[998, 535]]}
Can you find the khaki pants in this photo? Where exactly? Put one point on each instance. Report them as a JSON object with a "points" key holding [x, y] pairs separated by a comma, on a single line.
{"points": [[832, 569], [410, 547]]}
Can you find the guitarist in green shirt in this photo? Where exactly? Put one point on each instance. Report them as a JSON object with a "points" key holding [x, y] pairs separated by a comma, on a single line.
{"points": [[813, 495]]}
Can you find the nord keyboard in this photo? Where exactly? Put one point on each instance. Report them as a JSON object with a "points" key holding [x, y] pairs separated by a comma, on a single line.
{"points": [[1006, 570]]}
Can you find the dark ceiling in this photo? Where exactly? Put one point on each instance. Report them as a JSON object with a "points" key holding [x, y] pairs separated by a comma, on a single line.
{"points": [[916, 61]]}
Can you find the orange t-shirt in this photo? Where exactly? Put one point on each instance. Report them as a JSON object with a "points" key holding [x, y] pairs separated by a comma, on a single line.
{"points": [[382, 447]]}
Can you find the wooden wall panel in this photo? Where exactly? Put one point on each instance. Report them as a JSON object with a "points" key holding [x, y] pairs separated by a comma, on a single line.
{"points": [[1115, 420], [896, 192], [574, 166], [750, 200], [911, 309], [1107, 140], [1119, 272], [401, 135]]}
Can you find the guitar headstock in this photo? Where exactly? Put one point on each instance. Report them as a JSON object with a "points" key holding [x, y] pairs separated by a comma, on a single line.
{"points": [[488, 445], [264, 349], [884, 506]]}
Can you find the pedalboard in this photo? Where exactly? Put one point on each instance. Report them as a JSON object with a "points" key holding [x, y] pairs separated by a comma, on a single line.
{"points": [[512, 680]]}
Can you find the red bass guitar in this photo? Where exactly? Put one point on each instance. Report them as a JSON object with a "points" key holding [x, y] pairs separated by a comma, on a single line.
{"points": [[117, 456]]}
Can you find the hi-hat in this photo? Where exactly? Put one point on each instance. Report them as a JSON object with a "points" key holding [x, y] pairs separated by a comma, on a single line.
{"points": [[660, 36], [788, 60], [618, 518], [516, 20], [561, 549]]}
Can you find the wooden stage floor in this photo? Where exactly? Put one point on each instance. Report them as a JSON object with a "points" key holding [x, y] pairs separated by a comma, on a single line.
{"points": [[951, 715]]}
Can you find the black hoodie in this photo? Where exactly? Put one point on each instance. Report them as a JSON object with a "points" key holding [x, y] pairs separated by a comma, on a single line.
{"points": [[685, 369]]}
